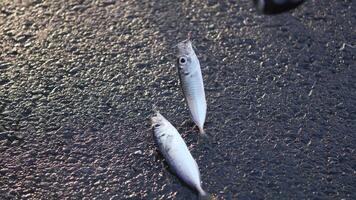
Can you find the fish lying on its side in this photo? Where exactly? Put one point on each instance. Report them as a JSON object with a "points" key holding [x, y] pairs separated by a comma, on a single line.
{"points": [[276, 6], [176, 153], [191, 81]]}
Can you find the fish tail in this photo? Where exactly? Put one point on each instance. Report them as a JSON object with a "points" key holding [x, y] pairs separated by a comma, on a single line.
{"points": [[202, 132], [203, 195], [204, 138]]}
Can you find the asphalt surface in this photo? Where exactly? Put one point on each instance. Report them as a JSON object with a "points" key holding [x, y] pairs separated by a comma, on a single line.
{"points": [[79, 80]]}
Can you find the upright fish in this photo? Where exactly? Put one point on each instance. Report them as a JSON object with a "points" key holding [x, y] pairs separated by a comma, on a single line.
{"points": [[176, 153], [191, 81]]}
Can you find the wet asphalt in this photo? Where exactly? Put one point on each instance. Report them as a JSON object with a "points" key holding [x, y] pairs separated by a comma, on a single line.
{"points": [[79, 80]]}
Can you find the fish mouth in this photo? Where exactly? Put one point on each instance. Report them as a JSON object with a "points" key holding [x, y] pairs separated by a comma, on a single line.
{"points": [[185, 47], [156, 120]]}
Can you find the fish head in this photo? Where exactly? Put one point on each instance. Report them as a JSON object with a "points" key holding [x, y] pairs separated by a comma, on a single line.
{"points": [[187, 60], [158, 124]]}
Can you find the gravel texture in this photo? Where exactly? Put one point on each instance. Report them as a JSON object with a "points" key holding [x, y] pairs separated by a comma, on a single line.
{"points": [[79, 79]]}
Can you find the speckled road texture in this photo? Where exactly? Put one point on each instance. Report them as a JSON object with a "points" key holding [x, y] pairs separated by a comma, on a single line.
{"points": [[79, 79]]}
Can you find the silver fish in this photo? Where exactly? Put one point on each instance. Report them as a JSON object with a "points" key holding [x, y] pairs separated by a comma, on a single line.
{"points": [[176, 153], [191, 81]]}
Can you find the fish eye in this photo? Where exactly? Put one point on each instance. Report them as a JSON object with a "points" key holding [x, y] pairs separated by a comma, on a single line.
{"points": [[182, 60]]}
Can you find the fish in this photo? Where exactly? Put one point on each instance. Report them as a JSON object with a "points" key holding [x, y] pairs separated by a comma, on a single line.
{"points": [[270, 7], [176, 153], [191, 81]]}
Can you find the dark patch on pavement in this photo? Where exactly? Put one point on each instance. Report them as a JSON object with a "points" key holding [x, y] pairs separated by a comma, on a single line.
{"points": [[79, 80]]}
